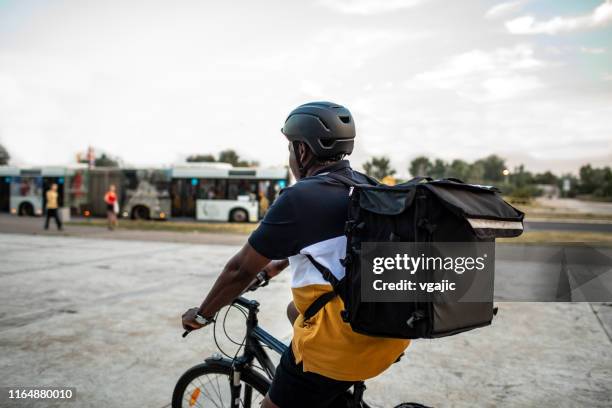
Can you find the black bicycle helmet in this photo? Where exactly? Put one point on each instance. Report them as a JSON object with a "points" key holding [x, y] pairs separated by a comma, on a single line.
{"points": [[327, 128]]}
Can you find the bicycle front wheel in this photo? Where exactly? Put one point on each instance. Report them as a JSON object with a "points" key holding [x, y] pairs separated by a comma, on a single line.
{"points": [[208, 385]]}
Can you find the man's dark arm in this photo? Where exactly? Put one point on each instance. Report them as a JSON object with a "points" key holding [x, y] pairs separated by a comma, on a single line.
{"points": [[275, 267], [237, 275]]}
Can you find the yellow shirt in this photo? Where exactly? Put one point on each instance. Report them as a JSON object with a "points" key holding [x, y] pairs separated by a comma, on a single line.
{"points": [[328, 346], [51, 200]]}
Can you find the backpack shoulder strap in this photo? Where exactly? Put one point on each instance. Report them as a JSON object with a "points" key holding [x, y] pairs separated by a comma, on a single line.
{"points": [[348, 182], [327, 274], [318, 304], [322, 300], [342, 179]]}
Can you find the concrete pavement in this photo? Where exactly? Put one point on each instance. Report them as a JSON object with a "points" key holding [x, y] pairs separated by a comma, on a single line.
{"points": [[102, 315]]}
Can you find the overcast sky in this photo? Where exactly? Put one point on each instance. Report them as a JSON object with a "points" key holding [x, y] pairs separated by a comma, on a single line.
{"points": [[154, 81]]}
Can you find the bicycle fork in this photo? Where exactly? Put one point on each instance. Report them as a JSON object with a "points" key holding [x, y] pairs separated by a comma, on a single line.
{"points": [[236, 387]]}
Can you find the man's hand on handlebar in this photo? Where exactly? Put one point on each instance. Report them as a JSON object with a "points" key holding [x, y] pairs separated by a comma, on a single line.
{"points": [[189, 322]]}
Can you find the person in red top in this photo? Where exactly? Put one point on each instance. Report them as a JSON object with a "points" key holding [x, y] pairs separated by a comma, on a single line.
{"points": [[112, 207]]}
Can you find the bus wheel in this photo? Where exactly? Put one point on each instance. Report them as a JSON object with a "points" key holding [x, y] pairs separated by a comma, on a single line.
{"points": [[26, 209], [140, 212], [239, 215]]}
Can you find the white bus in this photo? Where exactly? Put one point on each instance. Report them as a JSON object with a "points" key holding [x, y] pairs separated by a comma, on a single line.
{"points": [[220, 192]]}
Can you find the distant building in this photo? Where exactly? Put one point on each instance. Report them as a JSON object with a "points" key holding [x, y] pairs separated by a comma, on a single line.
{"points": [[549, 190]]}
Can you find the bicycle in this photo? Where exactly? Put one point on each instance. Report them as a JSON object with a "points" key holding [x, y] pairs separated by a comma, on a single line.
{"points": [[246, 384]]}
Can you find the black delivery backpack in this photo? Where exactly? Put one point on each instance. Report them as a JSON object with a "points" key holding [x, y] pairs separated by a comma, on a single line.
{"points": [[421, 210]]}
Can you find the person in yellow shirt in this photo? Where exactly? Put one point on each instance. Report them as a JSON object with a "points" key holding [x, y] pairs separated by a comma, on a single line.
{"points": [[264, 204], [52, 206]]}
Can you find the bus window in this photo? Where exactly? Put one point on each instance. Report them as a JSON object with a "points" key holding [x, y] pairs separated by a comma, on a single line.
{"points": [[212, 189], [26, 195], [241, 188], [26, 187]]}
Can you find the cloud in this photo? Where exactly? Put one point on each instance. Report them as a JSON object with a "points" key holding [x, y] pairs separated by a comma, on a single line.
{"points": [[366, 7], [593, 50], [607, 76], [482, 76], [503, 9], [601, 16]]}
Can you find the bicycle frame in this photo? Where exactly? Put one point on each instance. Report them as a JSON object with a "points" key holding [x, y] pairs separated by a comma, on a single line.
{"points": [[255, 337], [253, 350]]}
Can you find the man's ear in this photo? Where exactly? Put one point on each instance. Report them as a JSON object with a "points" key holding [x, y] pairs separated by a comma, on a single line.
{"points": [[303, 152]]}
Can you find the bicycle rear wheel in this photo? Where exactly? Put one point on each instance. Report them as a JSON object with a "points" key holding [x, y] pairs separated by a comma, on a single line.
{"points": [[208, 385]]}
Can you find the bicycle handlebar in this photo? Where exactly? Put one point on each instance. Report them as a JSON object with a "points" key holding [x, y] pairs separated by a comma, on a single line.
{"points": [[260, 280]]}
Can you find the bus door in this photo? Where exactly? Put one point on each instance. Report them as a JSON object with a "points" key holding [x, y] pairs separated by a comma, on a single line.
{"points": [[76, 192], [183, 195], [47, 182], [99, 180], [5, 194]]}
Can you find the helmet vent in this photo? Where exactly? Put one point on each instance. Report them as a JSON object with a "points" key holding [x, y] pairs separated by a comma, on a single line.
{"points": [[345, 119], [323, 123], [327, 143]]}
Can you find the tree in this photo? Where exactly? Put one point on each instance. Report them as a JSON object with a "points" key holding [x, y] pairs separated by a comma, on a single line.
{"points": [[438, 169], [4, 155], [459, 169], [106, 161], [420, 166], [595, 181], [493, 167], [379, 167], [520, 177], [201, 158], [230, 156], [475, 173], [545, 178]]}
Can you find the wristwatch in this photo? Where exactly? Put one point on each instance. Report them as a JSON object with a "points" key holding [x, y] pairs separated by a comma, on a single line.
{"points": [[204, 321]]}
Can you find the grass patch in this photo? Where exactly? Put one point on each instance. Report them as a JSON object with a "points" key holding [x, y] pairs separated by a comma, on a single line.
{"points": [[194, 226]]}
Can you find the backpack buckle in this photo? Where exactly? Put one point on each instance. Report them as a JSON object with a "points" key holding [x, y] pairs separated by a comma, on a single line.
{"points": [[416, 316], [346, 260], [348, 227]]}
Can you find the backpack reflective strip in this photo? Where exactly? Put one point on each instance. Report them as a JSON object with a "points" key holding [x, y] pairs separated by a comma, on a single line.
{"points": [[481, 223]]}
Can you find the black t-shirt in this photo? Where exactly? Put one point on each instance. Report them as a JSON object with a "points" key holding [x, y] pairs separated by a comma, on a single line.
{"points": [[311, 211]]}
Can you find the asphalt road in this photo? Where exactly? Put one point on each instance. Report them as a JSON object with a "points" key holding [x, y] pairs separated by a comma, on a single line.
{"points": [[568, 226]]}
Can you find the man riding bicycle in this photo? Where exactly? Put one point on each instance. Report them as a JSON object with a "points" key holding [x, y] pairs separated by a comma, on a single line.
{"points": [[307, 221]]}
